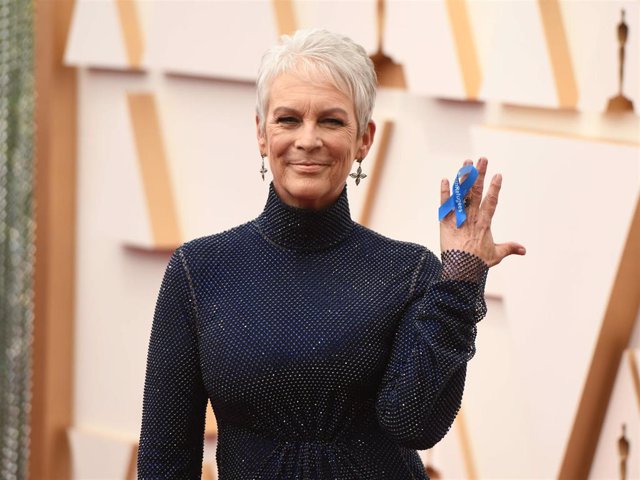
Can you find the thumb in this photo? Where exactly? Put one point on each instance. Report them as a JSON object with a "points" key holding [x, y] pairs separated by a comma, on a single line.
{"points": [[508, 248]]}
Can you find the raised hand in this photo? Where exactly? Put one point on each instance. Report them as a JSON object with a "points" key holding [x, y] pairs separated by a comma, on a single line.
{"points": [[474, 236]]}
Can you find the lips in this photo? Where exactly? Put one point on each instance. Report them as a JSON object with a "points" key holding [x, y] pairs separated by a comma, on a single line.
{"points": [[309, 163], [308, 167]]}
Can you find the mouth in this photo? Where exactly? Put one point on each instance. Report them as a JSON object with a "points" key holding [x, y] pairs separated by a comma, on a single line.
{"points": [[308, 166], [308, 162]]}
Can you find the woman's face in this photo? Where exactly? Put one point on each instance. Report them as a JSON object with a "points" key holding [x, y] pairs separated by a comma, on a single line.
{"points": [[311, 139]]}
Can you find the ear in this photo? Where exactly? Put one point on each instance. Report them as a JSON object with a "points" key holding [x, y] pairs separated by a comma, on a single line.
{"points": [[262, 141], [367, 139]]}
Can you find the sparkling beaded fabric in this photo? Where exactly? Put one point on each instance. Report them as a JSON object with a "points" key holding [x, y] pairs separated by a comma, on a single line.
{"points": [[327, 351]]}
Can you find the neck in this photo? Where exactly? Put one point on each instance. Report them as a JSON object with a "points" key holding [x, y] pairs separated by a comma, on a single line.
{"points": [[305, 228], [310, 203]]}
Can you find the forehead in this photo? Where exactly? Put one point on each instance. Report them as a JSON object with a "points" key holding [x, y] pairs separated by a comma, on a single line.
{"points": [[302, 90]]}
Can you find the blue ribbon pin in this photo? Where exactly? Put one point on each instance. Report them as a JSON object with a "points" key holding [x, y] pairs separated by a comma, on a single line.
{"points": [[456, 200]]}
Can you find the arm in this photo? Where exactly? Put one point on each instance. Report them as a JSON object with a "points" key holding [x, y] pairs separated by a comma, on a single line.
{"points": [[171, 438], [422, 387]]}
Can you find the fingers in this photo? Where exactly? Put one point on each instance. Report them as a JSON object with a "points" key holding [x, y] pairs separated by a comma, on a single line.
{"points": [[490, 202], [463, 178], [444, 190], [478, 185]]}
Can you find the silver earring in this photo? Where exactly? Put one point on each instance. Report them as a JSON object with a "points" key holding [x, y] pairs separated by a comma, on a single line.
{"points": [[358, 175], [263, 170]]}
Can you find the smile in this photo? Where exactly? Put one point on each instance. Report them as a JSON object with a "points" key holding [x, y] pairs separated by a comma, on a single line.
{"points": [[308, 167]]}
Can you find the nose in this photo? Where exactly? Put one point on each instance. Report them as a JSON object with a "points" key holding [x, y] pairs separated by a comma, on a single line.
{"points": [[308, 138]]}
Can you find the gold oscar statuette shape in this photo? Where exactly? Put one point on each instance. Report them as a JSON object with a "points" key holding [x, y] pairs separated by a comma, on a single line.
{"points": [[620, 103], [390, 74], [623, 451]]}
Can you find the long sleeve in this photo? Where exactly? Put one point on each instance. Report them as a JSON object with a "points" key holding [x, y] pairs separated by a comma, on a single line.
{"points": [[422, 387], [171, 438]]}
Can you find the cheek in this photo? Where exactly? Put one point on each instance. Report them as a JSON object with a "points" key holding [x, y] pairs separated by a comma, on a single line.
{"points": [[276, 150], [277, 144], [345, 149], [343, 162]]}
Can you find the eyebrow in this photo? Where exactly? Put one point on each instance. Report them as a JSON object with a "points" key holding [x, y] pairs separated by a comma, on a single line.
{"points": [[328, 111]]}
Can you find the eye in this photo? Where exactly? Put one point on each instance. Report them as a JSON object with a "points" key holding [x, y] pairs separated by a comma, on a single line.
{"points": [[336, 122], [287, 120]]}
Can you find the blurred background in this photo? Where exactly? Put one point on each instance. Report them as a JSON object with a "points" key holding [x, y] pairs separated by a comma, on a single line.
{"points": [[127, 128]]}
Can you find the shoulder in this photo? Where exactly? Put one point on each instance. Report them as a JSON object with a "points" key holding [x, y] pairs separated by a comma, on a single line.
{"points": [[414, 259], [216, 240], [394, 248], [210, 248], [406, 263]]}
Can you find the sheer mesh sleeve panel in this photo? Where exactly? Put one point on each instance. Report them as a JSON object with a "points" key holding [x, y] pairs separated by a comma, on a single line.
{"points": [[171, 438], [459, 265], [422, 388]]}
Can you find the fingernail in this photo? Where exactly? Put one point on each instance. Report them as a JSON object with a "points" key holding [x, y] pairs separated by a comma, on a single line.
{"points": [[499, 179], [522, 250]]}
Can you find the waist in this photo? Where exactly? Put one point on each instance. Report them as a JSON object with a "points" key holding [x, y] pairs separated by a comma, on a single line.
{"points": [[244, 453], [290, 433]]}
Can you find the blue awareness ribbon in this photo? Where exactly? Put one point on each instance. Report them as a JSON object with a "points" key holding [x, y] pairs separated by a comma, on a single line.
{"points": [[456, 200]]}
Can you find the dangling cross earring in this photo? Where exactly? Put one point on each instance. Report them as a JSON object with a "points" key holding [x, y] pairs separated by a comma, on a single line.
{"points": [[358, 175], [263, 170]]}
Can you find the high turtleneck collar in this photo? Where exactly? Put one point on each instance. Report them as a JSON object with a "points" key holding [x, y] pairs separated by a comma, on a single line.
{"points": [[305, 229]]}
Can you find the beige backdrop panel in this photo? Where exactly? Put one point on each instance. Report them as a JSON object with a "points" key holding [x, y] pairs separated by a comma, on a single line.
{"points": [[217, 39], [356, 18], [420, 37], [96, 36], [572, 212]]}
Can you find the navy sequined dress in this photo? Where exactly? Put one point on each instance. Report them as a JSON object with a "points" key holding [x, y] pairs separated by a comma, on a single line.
{"points": [[327, 350]]}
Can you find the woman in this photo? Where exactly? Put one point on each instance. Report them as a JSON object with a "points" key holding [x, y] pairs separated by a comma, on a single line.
{"points": [[327, 351]]}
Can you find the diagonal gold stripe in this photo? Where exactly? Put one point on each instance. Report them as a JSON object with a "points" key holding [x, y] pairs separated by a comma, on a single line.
{"points": [[376, 174], [211, 425], [635, 375], [207, 472], [133, 460], [155, 171], [465, 47], [558, 49], [614, 336], [465, 443], [285, 16], [131, 31]]}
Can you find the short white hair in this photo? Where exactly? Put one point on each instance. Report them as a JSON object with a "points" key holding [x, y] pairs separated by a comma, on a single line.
{"points": [[320, 52]]}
